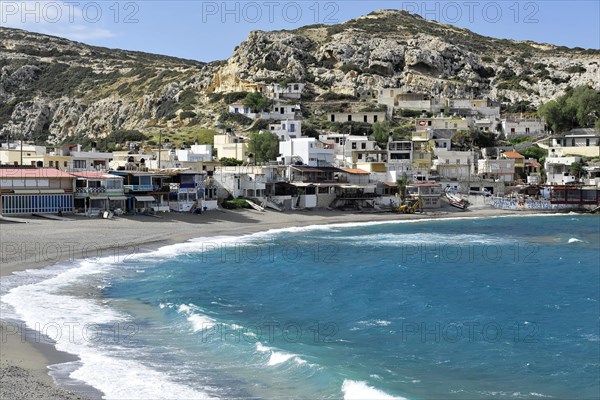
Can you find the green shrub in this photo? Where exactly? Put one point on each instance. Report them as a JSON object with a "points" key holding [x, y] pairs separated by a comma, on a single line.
{"points": [[235, 203], [234, 117], [187, 114]]}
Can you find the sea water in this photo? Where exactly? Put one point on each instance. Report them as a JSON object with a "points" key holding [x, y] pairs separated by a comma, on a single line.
{"points": [[441, 309]]}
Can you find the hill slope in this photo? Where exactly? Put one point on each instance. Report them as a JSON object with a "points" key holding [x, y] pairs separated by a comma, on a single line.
{"points": [[53, 89]]}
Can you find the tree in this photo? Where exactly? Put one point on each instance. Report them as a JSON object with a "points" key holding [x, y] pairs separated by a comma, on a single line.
{"points": [[256, 102], [464, 139], [578, 107], [402, 184], [264, 146], [576, 169], [597, 125], [381, 132]]}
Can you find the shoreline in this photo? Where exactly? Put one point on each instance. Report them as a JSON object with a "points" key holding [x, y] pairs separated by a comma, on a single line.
{"points": [[24, 363]]}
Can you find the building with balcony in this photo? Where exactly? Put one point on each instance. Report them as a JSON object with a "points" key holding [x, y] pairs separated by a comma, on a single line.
{"points": [[584, 142], [30, 190], [429, 193], [308, 151], [500, 170], [97, 191], [287, 129]]}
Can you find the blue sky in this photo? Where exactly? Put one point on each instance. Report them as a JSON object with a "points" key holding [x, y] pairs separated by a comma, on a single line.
{"points": [[209, 30]]}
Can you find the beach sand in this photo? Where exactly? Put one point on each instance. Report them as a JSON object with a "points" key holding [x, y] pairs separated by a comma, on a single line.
{"points": [[43, 242]]}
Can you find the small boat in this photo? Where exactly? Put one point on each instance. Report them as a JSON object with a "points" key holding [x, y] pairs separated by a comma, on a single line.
{"points": [[456, 201]]}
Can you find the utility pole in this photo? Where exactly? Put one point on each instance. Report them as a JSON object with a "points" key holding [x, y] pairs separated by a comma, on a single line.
{"points": [[159, 146], [21, 152]]}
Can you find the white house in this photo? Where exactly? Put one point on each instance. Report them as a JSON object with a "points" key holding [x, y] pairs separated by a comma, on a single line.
{"points": [[520, 126], [287, 129], [558, 169], [239, 108], [308, 151], [370, 117], [399, 159], [583, 142], [501, 169], [90, 160], [289, 91], [466, 107], [241, 181], [196, 152], [231, 146], [280, 111], [459, 165]]}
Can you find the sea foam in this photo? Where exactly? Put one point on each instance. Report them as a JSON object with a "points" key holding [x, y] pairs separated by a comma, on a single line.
{"points": [[359, 390]]}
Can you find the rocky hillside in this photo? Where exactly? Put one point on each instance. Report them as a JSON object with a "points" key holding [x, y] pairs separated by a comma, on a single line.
{"points": [[52, 89]]}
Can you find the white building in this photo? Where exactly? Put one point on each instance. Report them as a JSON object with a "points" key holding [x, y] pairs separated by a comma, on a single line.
{"points": [[281, 111], [369, 117], [241, 181], [289, 91], [239, 108], [308, 151], [197, 152], [399, 158], [466, 107], [520, 126], [348, 148], [583, 142], [231, 146], [501, 169], [89, 160], [287, 129], [459, 165], [558, 169]]}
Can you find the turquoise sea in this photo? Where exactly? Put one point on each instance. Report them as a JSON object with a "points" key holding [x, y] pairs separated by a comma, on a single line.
{"points": [[471, 308]]}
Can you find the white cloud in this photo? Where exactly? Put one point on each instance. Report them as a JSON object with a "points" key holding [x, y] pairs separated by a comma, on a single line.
{"points": [[73, 20]]}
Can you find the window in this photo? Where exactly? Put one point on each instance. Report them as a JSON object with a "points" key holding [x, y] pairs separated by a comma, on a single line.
{"points": [[587, 142], [364, 118], [360, 156], [51, 163], [428, 123], [349, 117], [236, 110], [65, 164], [526, 130], [374, 118], [363, 146], [512, 130], [332, 117], [353, 145], [292, 127], [79, 164], [572, 142], [445, 144]]}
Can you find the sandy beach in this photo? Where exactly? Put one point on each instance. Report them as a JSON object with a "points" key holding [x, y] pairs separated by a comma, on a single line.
{"points": [[43, 242]]}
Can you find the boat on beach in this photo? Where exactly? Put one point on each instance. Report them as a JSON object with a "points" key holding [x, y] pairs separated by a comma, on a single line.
{"points": [[456, 201]]}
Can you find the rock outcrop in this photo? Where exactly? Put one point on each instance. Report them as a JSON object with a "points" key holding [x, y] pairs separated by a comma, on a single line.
{"points": [[52, 89]]}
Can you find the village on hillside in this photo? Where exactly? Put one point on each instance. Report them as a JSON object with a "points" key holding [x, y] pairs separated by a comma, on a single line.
{"points": [[452, 155]]}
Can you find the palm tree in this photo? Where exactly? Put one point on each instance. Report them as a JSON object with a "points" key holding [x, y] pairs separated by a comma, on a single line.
{"points": [[402, 184]]}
